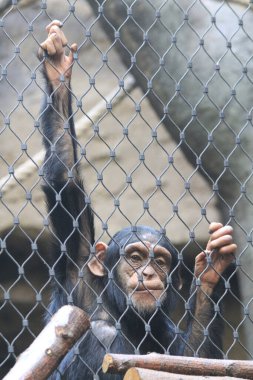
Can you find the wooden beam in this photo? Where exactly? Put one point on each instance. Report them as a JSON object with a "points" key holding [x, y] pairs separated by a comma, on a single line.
{"points": [[149, 374], [115, 363], [43, 356]]}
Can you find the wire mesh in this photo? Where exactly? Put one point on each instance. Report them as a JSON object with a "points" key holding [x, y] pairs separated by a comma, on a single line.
{"points": [[162, 101]]}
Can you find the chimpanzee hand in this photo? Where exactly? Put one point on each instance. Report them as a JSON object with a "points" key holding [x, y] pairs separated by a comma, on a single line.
{"points": [[57, 63], [220, 251]]}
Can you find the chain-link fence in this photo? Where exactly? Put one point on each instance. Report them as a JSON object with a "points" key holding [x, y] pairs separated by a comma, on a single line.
{"points": [[162, 102]]}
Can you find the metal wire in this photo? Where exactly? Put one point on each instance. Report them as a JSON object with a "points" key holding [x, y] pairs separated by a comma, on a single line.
{"points": [[163, 111]]}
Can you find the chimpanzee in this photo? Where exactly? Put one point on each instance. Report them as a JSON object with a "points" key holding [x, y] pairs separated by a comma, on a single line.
{"points": [[127, 286]]}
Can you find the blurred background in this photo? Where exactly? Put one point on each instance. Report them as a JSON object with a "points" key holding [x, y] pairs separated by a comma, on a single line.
{"points": [[163, 111]]}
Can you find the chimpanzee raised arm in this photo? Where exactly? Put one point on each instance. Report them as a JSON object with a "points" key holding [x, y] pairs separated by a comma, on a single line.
{"points": [[128, 285], [71, 217]]}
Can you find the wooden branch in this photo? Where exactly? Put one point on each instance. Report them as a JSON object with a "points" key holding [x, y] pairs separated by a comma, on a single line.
{"points": [[116, 363], [149, 374], [48, 349]]}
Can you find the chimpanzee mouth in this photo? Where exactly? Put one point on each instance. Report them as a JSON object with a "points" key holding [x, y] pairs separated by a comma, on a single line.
{"points": [[146, 291], [143, 291]]}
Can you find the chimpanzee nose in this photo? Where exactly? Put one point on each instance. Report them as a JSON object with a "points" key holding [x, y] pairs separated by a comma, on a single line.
{"points": [[148, 271]]}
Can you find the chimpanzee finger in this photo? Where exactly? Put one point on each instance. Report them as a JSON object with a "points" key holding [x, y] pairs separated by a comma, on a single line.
{"points": [[226, 230], [63, 38], [48, 46], [57, 43], [55, 26], [40, 53], [227, 250], [220, 242], [214, 226], [54, 22], [56, 29], [73, 49]]}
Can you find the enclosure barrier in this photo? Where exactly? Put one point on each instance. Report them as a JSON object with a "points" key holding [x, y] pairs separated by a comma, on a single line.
{"points": [[162, 95]]}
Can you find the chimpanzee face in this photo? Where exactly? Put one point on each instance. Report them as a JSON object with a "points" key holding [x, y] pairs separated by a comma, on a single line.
{"points": [[142, 270], [142, 273]]}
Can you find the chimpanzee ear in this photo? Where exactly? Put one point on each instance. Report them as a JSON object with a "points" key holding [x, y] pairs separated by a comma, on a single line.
{"points": [[96, 263]]}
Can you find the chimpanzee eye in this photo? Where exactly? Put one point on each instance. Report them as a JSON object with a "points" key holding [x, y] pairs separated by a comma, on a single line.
{"points": [[160, 262], [135, 258]]}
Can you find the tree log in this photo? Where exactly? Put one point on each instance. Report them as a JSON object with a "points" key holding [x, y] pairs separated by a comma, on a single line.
{"points": [[149, 374], [115, 363], [48, 349]]}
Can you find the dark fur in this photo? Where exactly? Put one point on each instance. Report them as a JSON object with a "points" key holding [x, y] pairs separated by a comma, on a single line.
{"points": [[71, 219]]}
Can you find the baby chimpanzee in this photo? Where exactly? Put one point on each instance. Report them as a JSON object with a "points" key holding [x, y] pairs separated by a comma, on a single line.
{"points": [[127, 286]]}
